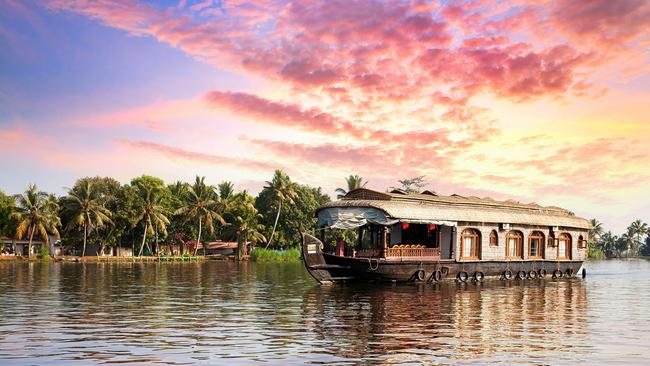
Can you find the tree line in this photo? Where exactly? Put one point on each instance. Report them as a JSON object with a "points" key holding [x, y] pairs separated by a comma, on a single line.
{"points": [[146, 213], [635, 241]]}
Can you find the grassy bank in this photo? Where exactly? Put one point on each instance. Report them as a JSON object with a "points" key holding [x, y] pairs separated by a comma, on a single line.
{"points": [[272, 256]]}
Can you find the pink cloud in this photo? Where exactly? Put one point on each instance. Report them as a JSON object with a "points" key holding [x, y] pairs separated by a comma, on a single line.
{"points": [[378, 51], [603, 22], [193, 156]]}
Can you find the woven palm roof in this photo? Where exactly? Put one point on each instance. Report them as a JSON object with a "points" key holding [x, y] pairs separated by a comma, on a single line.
{"points": [[430, 206]]}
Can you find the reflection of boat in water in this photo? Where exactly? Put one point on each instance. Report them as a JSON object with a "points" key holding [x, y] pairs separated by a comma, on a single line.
{"points": [[447, 322], [427, 237]]}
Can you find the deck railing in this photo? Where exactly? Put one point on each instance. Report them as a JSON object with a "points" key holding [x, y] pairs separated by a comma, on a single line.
{"points": [[399, 252], [413, 252]]}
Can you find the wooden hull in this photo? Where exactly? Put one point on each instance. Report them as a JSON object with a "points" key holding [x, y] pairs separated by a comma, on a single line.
{"points": [[328, 268]]}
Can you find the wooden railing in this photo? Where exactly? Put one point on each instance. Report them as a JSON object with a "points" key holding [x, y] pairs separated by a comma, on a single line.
{"points": [[399, 252], [413, 252]]}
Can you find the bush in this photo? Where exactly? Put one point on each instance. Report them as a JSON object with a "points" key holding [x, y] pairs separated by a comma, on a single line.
{"points": [[595, 253], [274, 256]]}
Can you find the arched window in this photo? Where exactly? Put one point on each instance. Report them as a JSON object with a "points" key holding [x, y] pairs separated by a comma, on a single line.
{"points": [[536, 245], [551, 240], [515, 245], [470, 241], [564, 246], [582, 243], [494, 238]]}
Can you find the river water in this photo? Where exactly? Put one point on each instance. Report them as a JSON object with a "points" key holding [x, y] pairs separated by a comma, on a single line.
{"points": [[233, 314]]}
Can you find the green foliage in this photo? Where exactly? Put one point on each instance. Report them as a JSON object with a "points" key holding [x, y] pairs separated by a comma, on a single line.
{"points": [[282, 191], [151, 192], [353, 182], [83, 207], [595, 253], [295, 217], [36, 213], [201, 205], [645, 249], [262, 255], [7, 205], [43, 252]]}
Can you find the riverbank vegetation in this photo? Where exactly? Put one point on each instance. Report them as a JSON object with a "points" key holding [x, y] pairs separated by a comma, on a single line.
{"points": [[149, 217], [634, 242], [271, 255]]}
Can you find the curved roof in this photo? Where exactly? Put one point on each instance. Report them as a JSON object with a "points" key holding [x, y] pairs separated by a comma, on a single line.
{"points": [[415, 206]]}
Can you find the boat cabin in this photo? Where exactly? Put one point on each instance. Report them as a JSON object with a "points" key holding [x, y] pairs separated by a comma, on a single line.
{"points": [[396, 227]]}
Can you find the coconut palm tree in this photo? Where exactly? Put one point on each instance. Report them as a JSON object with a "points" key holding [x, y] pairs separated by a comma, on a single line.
{"points": [[83, 209], [36, 212], [201, 204], [595, 232], [638, 229], [353, 182], [245, 225], [284, 191], [151, 212], [607, 244]]}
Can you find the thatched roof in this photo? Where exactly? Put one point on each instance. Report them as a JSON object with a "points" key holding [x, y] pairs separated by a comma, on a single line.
{"points": [[429, 206]]}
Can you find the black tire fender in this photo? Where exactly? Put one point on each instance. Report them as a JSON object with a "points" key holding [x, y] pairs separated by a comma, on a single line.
{"points": [[507, 274], [462, 276], [478, 276], [557, 274], [420, 275], [532, 274], [435, 276], [521, 275], [542, 272]]}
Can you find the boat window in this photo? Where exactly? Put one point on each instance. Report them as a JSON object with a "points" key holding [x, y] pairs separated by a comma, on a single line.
{"points": [[470, 240], [551, 240], [582, 243], [515, 245], [536, 245], [564, 246], [494, 238]]}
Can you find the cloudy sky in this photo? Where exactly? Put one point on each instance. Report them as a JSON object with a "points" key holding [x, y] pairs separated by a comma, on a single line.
{"points": [[534, 100]]}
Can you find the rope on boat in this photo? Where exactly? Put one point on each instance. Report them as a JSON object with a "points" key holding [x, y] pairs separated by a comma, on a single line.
{"points": [[370, 264]]}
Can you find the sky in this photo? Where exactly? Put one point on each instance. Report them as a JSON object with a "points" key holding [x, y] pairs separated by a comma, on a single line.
{"points": [[532, 100]]}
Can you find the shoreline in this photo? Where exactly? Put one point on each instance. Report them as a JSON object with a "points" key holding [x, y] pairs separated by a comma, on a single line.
{"points": [[113, 259]]}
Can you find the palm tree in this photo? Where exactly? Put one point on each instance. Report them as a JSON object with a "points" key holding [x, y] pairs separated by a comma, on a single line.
{"points": [[82, 206], [36, 212], [638, 229], [283, 191], [353, 182], [245, 224], [596, 230], [226, 189], [607, 244], [202, 205], [151, 212]]}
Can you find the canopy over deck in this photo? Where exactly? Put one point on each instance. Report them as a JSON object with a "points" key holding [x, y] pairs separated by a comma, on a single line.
{"points": [[362, 206]]}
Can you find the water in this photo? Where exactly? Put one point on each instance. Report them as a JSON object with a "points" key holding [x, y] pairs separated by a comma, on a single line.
{"points": [[233, 314]]}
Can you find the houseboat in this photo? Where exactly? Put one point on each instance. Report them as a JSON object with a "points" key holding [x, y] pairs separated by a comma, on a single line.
{"points": [[427, 237]]}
